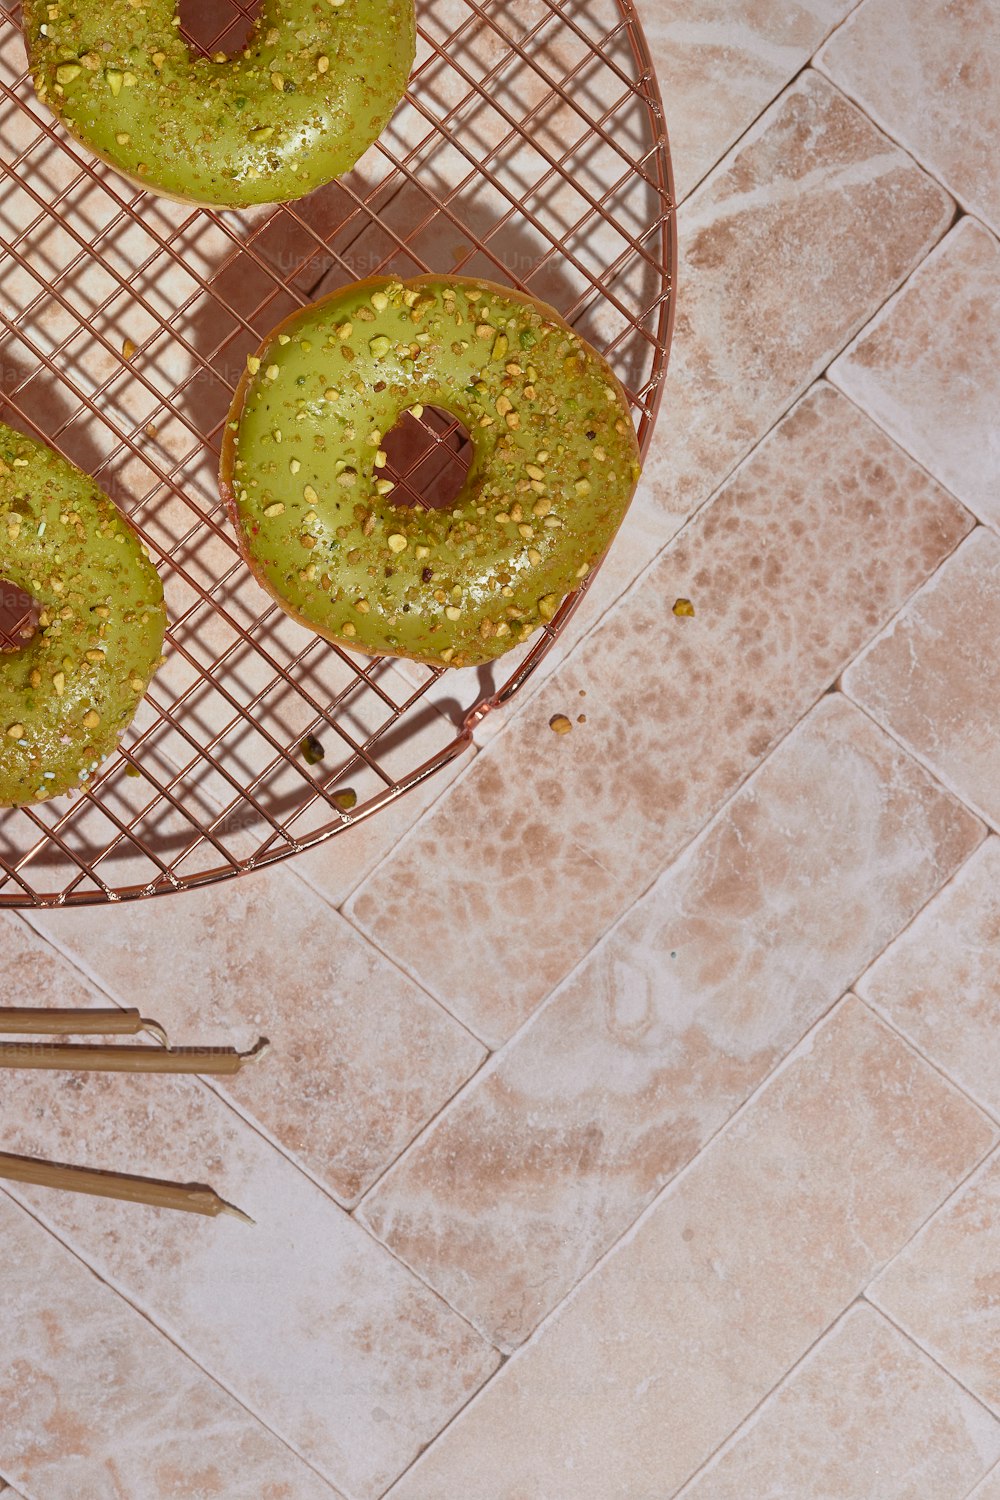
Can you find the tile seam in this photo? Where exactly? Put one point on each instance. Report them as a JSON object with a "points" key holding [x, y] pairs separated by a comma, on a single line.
{"points": [[750, 1420], [938, 775], [936, 1360]]}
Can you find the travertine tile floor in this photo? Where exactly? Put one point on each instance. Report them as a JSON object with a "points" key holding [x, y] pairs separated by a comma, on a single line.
{"points": [[632, 1124]]}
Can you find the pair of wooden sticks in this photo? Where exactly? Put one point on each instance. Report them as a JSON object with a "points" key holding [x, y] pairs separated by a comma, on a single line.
{"points": [[31, 1021]]}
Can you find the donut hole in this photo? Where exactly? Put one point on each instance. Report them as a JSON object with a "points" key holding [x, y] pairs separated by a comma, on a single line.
{"points": [[213, 26], [428, 458], [18, 617]]}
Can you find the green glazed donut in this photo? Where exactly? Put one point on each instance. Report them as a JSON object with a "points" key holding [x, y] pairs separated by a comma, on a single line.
{"points": [[312, 89], [555, 464], [68, 694]]}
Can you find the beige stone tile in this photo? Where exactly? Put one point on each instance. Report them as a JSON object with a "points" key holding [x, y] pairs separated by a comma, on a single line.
{"points": [[933, 677], [866, 1416], [97, 1403], [990, 1487], [926, 367], [720, 65], [938, 982], [787, 249], [944, 1288], [30, 975], [671, 1022], [508, 881], [727, 1281], [307, 1320], [360, 1058], [926, 74]]}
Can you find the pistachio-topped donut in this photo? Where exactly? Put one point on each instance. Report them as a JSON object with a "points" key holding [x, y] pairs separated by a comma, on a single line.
{"points": [[66, 696], [309, 93], [555, 463]]}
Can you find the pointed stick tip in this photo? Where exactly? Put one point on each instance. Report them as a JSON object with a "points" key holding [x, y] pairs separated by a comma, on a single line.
{"points": [[237, 1213]]}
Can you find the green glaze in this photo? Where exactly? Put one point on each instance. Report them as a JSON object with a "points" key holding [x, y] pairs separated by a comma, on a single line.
{"points": [[314, 86], [77, 683], [555, 463]]}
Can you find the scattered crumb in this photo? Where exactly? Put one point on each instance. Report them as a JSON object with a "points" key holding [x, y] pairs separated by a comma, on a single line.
{"points": [[129, 350], [559, 724], [581, 718], [683, 607], [346, 799], [311, 750]]}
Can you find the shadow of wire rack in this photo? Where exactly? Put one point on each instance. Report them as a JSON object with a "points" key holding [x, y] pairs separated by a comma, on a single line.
{"points": [[531, 150]]}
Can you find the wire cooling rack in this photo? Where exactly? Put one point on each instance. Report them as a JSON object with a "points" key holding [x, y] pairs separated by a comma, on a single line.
{"points": [[531, 150]]}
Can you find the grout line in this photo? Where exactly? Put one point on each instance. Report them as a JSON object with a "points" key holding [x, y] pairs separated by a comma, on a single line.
{"points": [[867, 109], [928, 1354], [853, 400], [740, 140], [990, 1155], [746, 1425], [863, 1296], [396, 960], [934, 772], [888, 1020], [992, 1473], [985, 1109], [811, 66], [40, 1218], [906, 287], [793, 78], [487, 1065]]}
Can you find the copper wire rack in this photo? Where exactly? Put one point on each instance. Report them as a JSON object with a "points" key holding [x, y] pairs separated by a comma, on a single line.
{"points": [[531, 150]]}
